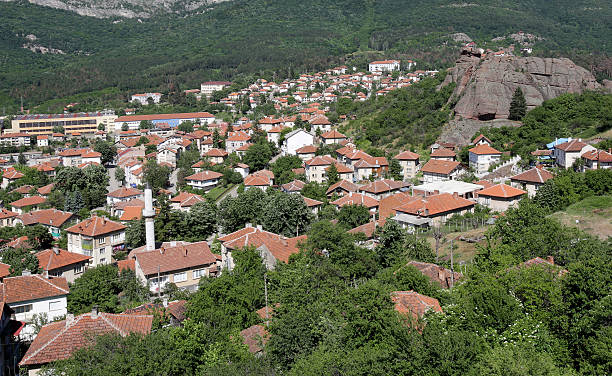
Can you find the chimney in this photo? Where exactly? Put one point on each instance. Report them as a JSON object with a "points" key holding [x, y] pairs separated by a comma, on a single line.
{"points": [[26, 272], [455, 194], [69, 319], [248, 225], [259, 228], [551, 260], [56, 250], [539, 166], [94, 312], [165, 302]]}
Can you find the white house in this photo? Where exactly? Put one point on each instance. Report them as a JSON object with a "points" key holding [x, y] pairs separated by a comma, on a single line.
{"points": [[42, 141], [567, 153], [123, 194], [482, 156], [209, 87], [203, 180], [144, 98], [384, 66], [439, 170], [295, 140], [29, 295], [409, 162]]}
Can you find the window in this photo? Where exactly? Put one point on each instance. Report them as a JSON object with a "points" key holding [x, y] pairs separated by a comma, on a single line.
{"points": [[78, 268], [55, 305], [102, 240], [180, 277], [102, 260], [23, 309], [101, 251], [199, 273]]}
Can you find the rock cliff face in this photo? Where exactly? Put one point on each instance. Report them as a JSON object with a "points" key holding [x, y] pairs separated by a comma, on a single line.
{"points": [[485, 86], [126, 8]]}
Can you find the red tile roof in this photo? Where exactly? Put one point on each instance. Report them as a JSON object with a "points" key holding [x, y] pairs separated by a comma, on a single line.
{"points": [[24, 189], [58, 340], [129, 264], [501, 191], [342, 185], [5, 271], [571, 146], [535, 175], [7, 214], [310, 202], [320, 160], [414, 304], [49, 217], [436, 166], [356, 199], [31, 287], [407, 156], [333, 134], [131, 213], [382, 186], [96, 226], [443, 152], [215, 152], [598, 155], [436, 204], [308, 149], [28, 201], [204, 176], [279, 246], [293, 186], [49, 260], [436, 273], [180, 257], [124, 192], [388, 204], [484, 149], [46, 189], [255, 337], [481, 137], [176, 308]]}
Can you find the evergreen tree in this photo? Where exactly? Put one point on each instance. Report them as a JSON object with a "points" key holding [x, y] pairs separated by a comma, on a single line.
{"points": [[332, 174], [518, 106]]}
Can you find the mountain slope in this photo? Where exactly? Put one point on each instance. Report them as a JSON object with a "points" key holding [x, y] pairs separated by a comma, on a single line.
{"points": [[271, 37]]}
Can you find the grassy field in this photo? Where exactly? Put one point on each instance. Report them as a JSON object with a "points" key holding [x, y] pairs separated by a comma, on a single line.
{"points": [[463, 251], [593, 215]]}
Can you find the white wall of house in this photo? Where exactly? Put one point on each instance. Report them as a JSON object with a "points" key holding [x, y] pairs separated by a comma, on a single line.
{"points": [[54, 307]]}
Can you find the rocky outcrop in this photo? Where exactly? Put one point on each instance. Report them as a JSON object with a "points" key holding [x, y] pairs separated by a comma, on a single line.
{"points": [[485, 85]]}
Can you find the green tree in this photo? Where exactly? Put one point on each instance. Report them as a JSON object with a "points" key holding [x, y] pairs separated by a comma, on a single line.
{"points": [[135, 234], [125, 127], [283, 166], [351, 216], [201, 221], [395, 169], [120, 175], [19, 260], [21, 159], [235, 213], [257, 156], [157, 176], [145, 124], [39, 237], [518, 105], [108, 151], [332, 174], [97, 286], [286, 214], [186, 126]]}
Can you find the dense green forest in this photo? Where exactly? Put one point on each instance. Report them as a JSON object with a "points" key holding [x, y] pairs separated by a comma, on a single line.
{"points": [[275, 39]]}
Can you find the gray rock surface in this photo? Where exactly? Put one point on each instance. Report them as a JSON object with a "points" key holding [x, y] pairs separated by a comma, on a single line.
{"points": [[461, 131], [485, 86]]}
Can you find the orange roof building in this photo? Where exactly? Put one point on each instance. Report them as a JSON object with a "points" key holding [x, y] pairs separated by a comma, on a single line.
{"points": [[61, 263]]}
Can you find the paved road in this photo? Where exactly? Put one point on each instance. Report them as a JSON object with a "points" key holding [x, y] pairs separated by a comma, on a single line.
{"points": [[231, 193], [113, 184]]}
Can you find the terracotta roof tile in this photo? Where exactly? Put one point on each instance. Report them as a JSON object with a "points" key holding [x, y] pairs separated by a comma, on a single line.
{"points": [[571, 146], [255, 337], [502, 191], [436, 166], [179, 257], [484, 149], [204, 176], [407, 156], [49, 260], [435, 204], [28, 201], [414, 304], [49, 217], [24, 288], [535, 175], [124, 192], [382, 186], [96, 226], [356, 199], [443, 152]]}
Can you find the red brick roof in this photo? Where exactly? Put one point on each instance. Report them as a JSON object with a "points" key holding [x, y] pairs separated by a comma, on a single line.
{"points": [[502, 191], [598, 155], [343, 185], [124, 192], [96, 226], [279, 246], [407, 156], [484, 149], [310, 202], [49, 217], [388, 204], [255, 337], [381, 186], [333, 134], [320, 160], [46, 189], [131, 213], [31, 287], [356, 199], [204, 176], [215, 152], [436, 273], [58, 340], [443, 152], [180, 257], [176, 308], [7, 214], [436, 166], [308, 149], [414, 304], [12, 174], [436, 204], [571, 146], [28, 201], [49, 260], [535, 175]]}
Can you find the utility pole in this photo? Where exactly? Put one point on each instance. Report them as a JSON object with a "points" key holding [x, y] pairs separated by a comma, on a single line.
{"points": [[452, 269], [266, 295], [158, 283]]}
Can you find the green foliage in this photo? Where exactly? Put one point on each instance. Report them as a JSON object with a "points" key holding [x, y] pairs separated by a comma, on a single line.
{"points": [[90, 183], [107, 149], [351, 216], [120, 175], [186, 127], [157, 176], [235, 213], [201, 221], [39, 237], [332, 174], [518, 105], [258, 155], [283, 166], [286, 214], [569, 187], [101, 286], [19, 260]]}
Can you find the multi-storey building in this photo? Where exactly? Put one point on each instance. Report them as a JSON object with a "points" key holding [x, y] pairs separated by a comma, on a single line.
{"points": [[83, 123], [97, 238]]}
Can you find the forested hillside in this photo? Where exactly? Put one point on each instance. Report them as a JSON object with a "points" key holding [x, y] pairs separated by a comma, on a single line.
{"points": [[273, 38]]}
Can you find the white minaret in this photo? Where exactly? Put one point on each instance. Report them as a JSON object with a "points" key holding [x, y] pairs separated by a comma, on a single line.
{"points": [[148, 213]]}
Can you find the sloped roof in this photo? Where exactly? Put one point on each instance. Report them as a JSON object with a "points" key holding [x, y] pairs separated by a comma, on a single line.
{"points": [[320, 160], [293, 186], [598, 155], [49, 217], [4, 213], [31, 287], [436, 273], [179, 257], [535, 175], [216, 152], [333, 134], [436, 166], [5, 271], [255, 337], [27, 201], [96, 226], [131, 213], [502, 191], [407, 156], [310, 202], [356, 199], [308, 149], [484, 149], [481, 137], [204, 176], [344, 185], [414, 304], [124, 192], [435, 204], [58, 340], [279, 246], [381, 186], [571, 146], [443, 152], [45, 190], [49, 260]]}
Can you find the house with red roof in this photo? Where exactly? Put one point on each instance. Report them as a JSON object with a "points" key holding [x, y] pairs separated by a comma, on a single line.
{"points": [[7, 217], [216, 155], [441, 170], [436, 273], [10, 175], [482, 156], [272, 248], [30, 295], [236, 140], [341, 188], [567, 153], [204, 180], [306, 152], [531, 180], [294, 186], [500, 197], [61, 263], [414, 306], [443, 154], [59, 340], [52, 219], [27, 204], [384, 66], [431, 210], [380, 189], [299, 140], [409, 162], [98, 238], [181, 264], [595, 159], [332, 137], [185, 200], [354, 198], [124, 194]]}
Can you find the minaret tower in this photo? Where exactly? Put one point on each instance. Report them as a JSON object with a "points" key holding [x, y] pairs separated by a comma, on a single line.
{"points": [[148, 213]]}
